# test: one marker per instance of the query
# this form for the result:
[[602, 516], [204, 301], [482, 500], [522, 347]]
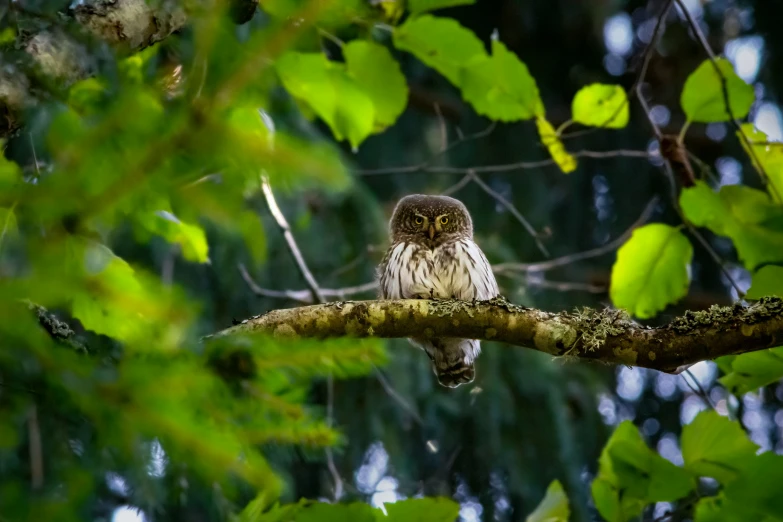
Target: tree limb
[[609, 336]]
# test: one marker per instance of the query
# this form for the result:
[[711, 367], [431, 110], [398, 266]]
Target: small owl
[[432, 255]]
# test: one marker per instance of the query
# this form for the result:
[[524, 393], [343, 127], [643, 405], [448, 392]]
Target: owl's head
[[431, 219]]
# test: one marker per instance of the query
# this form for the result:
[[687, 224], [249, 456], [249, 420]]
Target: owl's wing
[[481, 283], [389, 273]]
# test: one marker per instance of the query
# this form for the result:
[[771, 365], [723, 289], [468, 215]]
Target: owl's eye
[[444, 220], [419, 220]]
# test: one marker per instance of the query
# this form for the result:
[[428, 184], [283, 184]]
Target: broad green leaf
[[553, 507], [722, 509], [378, 74], [765, 156], [703, 96], [321, 512], [421, 6], [601, 105], [631, 476], [751, 371], [191, 239], [744, 214], [557, 150], [333, 95], [767, 281], [329, 14], [430, 509], [441, 43], [501, 87], [651, 270], [759, 485], [118, 302], [714, 446]]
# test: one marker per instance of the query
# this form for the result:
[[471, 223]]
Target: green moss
[[596, 326]]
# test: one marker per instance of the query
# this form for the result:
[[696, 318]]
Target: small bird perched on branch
[[433, 255]]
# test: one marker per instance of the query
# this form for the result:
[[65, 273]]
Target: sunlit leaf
[[501, 87], [10, 172], [744, 214], [766, 156], [703, 98], [751, 371], [191, 239], [557, 150], [767, 281], [421, 6], [334, 96], [714, 446], [441, 43], [379, 76], [631, 476], [651, 270], [601, 105], [84, 95], [553, 507], [431, 509], [721, 509]]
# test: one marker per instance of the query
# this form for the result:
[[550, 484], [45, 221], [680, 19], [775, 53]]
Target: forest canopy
[[194, 197]]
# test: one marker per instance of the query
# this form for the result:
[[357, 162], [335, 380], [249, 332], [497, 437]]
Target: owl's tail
[[452, 359], [454, 375]]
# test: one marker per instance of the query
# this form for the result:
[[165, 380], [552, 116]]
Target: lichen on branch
[[609, 336]]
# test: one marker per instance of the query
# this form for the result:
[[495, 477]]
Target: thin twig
[[511, 208], [36, 448], [422, 167], [293, 248], [572, 258], [506, 167], [726, 102], [633, 89], [699, 389], [389, 389], [305, 296], [457, 186]]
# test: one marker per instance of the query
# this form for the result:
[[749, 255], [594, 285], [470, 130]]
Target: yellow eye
[[419, 220], [444, 220]]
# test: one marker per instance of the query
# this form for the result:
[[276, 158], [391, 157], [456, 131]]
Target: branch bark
[[608, 336], [127, 25]]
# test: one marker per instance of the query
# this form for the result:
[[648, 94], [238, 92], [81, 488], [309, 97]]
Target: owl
[[433, 255]]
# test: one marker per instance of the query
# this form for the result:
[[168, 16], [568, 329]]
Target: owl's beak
[[432, 231]]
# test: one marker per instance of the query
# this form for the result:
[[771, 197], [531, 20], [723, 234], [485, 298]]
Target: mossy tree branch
[[608, 336]]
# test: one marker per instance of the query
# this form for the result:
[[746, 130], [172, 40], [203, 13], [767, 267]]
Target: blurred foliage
[[132, 194]]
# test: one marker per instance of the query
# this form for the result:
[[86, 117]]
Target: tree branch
[[608, 336]]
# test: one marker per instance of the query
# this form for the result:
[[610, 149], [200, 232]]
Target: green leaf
[[767, 281], [10, 172], [745, 215], [333, 95], [557, 150], [379, 76], [430, 509], [441, 43], [651, 270], [703, 95], [758, 487], [751, 371], [766, 157], [631, 476], [714, 446], [321, 512], [601, 105], [191, 239], [553, 507], [85, 95], [8, 225], [722, 509], [421, 6], [501, 87]]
